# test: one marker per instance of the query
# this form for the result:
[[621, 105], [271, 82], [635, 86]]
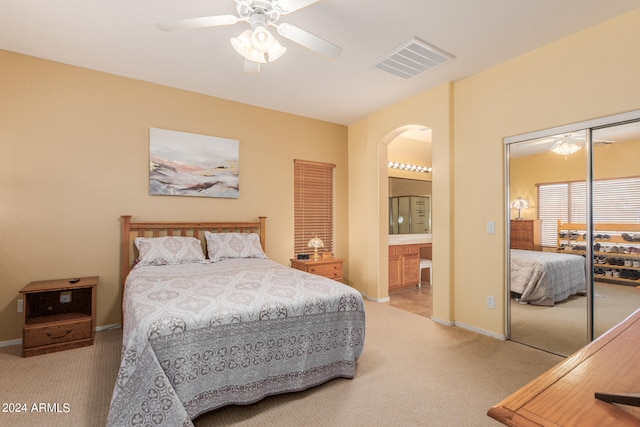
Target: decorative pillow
[[233, 245], [169, 250]]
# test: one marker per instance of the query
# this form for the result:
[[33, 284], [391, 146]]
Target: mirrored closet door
[[616, 224], [573, 197]]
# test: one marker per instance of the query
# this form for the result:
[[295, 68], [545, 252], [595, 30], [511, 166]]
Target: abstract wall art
[[188, 164]]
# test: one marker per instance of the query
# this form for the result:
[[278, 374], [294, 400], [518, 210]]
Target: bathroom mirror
[[409, 206]]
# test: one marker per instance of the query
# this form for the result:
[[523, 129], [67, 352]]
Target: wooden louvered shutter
[[314, 195]]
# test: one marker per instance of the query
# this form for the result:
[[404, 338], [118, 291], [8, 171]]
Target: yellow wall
[[590, 74], [411, 151], [368, 192], [75, 156]]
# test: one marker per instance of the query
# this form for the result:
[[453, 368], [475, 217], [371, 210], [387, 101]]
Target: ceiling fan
[[257, 45], [567, 143]]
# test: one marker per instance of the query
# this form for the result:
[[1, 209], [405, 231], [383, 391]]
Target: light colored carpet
[[413, 372], [562, 329]]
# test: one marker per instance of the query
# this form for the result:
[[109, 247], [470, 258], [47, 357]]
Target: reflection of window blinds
[[614, 201], [552, 206]]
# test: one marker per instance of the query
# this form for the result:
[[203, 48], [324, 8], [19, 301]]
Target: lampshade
[[565, 147], [258, 45], [315, 243], [519, 204]]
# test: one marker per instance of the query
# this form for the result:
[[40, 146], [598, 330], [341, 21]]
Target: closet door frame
[[588, 127]]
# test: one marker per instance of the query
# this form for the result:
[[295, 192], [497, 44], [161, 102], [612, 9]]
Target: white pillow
[[169, 250], [233, 245]]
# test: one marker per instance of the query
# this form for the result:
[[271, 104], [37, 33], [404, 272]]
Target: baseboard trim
[[10, 343], [107, 327], [442, 321], [387, 299], [481, 331]]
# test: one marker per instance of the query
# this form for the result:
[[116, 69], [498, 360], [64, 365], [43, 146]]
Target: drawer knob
[[50, 334]]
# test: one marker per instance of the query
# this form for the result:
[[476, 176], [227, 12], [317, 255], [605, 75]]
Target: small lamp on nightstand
[[315, 243], [519, 204]]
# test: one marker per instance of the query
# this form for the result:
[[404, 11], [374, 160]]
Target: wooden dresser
[[565, 395], [331, 268], [526, 234]]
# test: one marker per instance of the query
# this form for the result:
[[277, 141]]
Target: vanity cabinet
[[404, 264]]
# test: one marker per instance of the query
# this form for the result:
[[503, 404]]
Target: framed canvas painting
[[187, 164]]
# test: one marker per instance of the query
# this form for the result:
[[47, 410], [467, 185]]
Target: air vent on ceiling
[[412, 58]]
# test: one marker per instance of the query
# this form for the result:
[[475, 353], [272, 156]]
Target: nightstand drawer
[[332, 271], [55, 334]]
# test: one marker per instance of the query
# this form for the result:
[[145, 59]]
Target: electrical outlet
[[20, 306], [491, 302]]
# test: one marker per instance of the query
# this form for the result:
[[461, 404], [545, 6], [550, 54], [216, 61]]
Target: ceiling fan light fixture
[[243, 44], [565, 147], [261, 39]]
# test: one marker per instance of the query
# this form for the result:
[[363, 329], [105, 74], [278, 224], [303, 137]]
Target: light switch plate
[[491, 227]]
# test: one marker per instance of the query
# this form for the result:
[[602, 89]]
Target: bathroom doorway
[[410, 221]]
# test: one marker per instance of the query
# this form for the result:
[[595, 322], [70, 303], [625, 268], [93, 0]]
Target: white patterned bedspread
[[200, 336], [544, 278]]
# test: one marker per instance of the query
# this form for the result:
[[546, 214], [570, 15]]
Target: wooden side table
[[331, 268], [58, 315]]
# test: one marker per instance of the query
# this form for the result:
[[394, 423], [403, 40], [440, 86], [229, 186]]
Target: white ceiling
[[119, 37]]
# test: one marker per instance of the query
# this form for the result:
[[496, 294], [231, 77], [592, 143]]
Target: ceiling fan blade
[[308, 40], [193, 23], [288, 6]]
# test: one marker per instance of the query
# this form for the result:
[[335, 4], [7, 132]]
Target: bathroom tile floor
[[415, 300]]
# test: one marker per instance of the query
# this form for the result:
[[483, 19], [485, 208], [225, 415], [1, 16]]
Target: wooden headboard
[[130, 230]]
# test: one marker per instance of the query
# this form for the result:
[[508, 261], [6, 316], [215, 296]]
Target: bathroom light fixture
[[519, 204], [409, 167]]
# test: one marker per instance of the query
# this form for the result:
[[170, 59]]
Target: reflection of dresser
[[525, 234]]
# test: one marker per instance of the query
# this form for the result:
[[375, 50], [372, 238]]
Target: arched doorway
[[409, 197]]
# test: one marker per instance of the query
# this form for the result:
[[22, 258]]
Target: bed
[[544, 278], [232, 327]]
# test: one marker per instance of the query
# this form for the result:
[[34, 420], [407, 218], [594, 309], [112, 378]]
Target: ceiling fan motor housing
[[257, 11]]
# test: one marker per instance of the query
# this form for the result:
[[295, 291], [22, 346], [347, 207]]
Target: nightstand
[[331, 268], [58, 315]]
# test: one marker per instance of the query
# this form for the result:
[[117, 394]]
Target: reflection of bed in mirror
[[544, 278]]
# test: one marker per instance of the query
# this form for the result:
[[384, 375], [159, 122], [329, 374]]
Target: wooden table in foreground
[[564, 395]]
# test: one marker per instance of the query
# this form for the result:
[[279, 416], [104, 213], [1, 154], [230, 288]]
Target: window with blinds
[[614, 201], [314, 195]]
